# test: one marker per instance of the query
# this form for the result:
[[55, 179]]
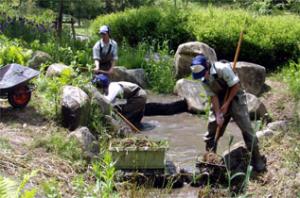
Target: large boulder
[[86, 140], [75, 106], [252, 77], [136, 76], [256, 108], [98, 99], [194, 94], [184, 54], [56, 69], [38, 58]]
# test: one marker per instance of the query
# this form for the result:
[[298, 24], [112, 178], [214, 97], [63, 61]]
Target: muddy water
[[184, 133]]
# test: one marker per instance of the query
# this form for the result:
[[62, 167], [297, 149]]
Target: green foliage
[[104, 173], [49, 90], [291, 76], [57, 143], [4, 144], [51, 189], [159, 70], [11, 52], [268, 40], [132, 57], [25, 22], [10, 188], [145, 25]]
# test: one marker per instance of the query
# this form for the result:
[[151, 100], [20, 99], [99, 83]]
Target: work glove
[[220, 118]]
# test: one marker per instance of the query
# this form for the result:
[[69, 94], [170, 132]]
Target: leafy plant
[[104, 173], [159, 70], [51, 189], [291, 76], [10, 188]]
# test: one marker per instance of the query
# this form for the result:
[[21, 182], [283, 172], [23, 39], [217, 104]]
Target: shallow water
[[184, 133]]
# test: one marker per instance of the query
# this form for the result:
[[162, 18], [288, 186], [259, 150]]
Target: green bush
[[268, 40], [145, 25], [11, 52]]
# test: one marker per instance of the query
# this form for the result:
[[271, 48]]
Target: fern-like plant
[[10, 188]]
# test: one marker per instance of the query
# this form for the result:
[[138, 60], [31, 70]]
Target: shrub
[[11, 52], [268, 40], [145, 25]]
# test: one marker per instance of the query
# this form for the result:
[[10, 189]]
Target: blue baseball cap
[[199, 67], [101, 80]]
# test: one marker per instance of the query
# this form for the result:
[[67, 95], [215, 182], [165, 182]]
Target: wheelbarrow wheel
[[19, 96]]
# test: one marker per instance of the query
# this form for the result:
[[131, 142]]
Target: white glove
[[220, 118]]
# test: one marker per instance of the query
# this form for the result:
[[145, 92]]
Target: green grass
[[4, 144], [67, 148]]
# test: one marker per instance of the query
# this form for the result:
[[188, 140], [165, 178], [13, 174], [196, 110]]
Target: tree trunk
[[60, 19]]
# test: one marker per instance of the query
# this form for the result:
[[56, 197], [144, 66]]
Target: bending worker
[[134, 109], [216, 79], [105, 52]]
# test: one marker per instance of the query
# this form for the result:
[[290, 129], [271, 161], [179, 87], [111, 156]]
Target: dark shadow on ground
[[27, 115]]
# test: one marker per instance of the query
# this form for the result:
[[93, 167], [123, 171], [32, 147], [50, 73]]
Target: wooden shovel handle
[[237, 52], [127, 122]]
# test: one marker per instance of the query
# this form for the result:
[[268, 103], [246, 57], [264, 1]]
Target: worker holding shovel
[[217, 78], [135, 96]]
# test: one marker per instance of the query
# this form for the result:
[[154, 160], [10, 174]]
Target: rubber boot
[[257, 161]]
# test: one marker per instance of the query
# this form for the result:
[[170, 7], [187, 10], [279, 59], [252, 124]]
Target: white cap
[[103, 29], [197, 68]]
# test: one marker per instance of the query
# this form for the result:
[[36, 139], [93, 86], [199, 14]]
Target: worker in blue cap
[[135, 96], [216, 79]]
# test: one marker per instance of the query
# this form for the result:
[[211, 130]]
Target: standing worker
[[134, 108], [105, 52], [216, 79]]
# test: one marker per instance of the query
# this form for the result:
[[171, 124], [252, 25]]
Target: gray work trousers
[[239, 112]]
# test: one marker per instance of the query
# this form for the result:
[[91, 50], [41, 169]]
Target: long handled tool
[[127, 121], [218, 134]]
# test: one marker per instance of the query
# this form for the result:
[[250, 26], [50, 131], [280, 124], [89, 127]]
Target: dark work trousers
[[239, 112], [134, 109]]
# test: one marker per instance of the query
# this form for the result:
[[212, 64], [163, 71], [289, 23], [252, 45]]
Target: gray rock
[[38, 58], [194, 94], [136, 76], [75, 106], [237, 158], [252, 76], [184, 54], [256, 108], [264, 133], [98, 99], [86, 139], [56, 69], [281, 125]]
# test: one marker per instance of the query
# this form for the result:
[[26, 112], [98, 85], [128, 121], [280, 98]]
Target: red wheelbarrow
[[14, 84]]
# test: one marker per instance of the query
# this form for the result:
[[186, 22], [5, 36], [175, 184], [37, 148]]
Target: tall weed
[[160, 70]]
